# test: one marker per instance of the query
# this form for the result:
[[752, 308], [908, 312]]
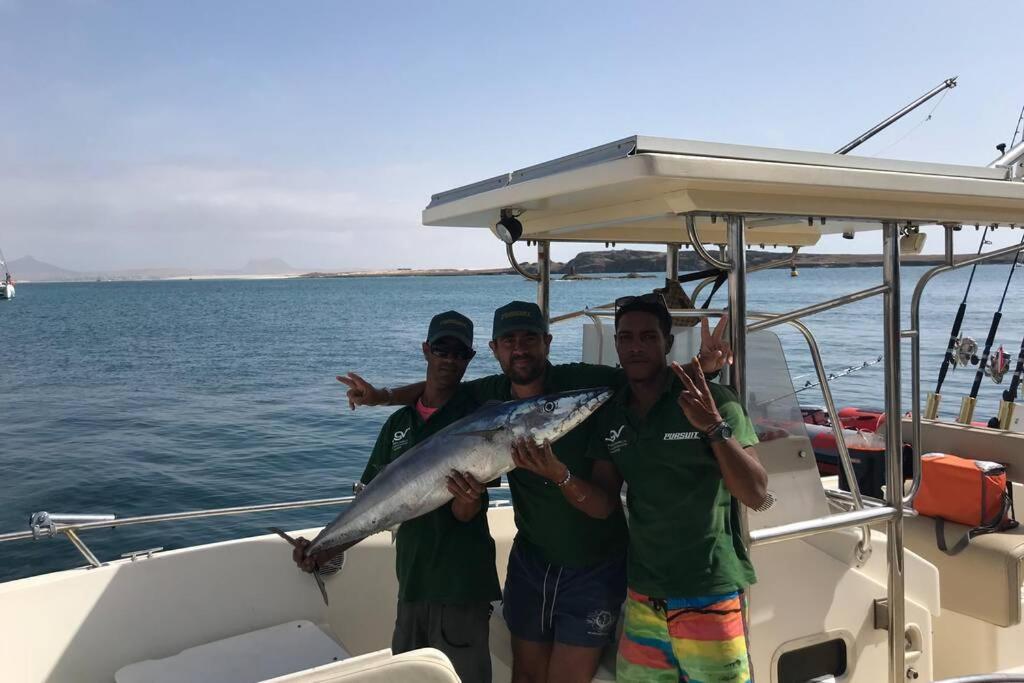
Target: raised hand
[[539, 459], [464, 487], [360, 392], [715, 352], [695, 400]]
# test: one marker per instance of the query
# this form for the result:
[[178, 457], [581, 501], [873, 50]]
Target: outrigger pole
[[949, 83], [969, 402], [931, 410]]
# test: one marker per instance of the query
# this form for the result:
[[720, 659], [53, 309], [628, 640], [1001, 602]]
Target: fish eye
[[549, 407]]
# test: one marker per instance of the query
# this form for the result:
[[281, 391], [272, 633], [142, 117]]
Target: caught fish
[[480, 444]]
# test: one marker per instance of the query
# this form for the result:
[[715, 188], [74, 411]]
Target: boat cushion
[[246, 658], [421, 666], [984, 580]]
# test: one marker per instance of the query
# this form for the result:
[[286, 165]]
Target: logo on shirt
[[681, 436], [615, 440], [401, 437]]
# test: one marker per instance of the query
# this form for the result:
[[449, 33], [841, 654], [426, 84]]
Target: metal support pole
[[894, 450], [672, 262], [82, 548], [738, 304], [544, 277]]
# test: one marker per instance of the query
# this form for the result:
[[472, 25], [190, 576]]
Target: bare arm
[[742, 472], [362, 393], [598, 498]]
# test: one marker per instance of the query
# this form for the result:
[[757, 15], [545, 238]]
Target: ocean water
[[153, 397]]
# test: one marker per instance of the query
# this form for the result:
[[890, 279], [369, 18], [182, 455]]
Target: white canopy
[[634, 190]]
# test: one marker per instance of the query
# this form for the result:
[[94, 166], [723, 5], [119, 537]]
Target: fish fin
[[394, 532], [320, 584]]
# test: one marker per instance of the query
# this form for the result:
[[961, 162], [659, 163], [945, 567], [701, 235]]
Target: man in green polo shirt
[[445, 558], [685, 449], [566, 579]]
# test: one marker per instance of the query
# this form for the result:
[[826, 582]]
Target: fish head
[[552, 416]]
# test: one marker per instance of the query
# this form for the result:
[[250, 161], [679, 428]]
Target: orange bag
[[975, 493]]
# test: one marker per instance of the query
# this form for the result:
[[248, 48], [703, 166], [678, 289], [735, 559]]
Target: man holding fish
[[566, 573], [444, 558]]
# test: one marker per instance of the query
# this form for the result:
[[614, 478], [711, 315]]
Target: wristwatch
[[719, 432]]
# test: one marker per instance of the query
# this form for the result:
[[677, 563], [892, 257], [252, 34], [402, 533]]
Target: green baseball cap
[[451, 324], [518, 315]]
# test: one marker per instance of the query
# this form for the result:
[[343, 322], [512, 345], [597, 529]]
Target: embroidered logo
[[401, 437], [616, 442], [601, 622], [681, 436]]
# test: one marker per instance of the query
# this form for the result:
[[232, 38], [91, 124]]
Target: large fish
[[480, 444]]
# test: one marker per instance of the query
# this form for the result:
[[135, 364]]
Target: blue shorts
[[545, 602]]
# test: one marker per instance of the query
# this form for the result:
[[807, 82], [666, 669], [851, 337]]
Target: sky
[[197, 134]]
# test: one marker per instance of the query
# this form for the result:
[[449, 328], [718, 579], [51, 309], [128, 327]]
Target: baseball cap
[[518, 315], [451, 324]]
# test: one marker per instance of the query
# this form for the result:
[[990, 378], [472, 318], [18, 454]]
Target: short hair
[[658, 310]]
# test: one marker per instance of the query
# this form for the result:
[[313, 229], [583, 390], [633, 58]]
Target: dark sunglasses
[[651, 299], [447, 352]]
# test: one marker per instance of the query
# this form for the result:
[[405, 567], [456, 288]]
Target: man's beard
[[525, 376]]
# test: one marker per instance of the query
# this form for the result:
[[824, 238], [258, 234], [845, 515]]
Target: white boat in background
[[7, 285]]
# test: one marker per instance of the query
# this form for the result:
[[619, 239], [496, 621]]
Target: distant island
[[586, 265], [634, 261]]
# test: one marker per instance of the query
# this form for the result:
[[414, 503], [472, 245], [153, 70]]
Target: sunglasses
[[452, 353], [651, 299]]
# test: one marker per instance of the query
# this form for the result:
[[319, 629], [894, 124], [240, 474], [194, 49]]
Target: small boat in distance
[[7, 286]]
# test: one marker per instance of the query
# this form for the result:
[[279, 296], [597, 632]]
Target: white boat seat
[[501, 646], [984, 580], [246, 658], [421, 666]]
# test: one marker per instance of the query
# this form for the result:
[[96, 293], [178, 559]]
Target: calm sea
[[153, 397]]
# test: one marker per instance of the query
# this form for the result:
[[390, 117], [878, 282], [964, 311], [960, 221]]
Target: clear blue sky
[[202, 134]]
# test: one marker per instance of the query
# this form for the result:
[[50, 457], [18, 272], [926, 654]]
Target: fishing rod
[[968, 404], [831, 376], [1009, 402], [931, 410]]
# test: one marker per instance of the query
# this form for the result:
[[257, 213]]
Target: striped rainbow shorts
[[699, 640]]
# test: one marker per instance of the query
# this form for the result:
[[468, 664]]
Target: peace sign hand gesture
[[695, 399], [360, 392], [715, 352]]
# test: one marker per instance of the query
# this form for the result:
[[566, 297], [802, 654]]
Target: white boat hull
[[6, 291]]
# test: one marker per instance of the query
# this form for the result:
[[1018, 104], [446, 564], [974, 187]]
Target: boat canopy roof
[[636, 189]]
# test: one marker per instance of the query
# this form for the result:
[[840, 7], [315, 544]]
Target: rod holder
[[967, 410], [1005, 415], [931, 407]]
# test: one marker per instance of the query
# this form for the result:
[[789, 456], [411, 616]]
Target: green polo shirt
[[684, 533], [545, 520], [438, 558]]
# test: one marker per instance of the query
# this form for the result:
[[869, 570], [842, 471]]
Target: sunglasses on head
[[651, 299], [449, 352]]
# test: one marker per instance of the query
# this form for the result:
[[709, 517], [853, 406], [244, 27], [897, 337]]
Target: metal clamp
[[136, 554], [44, 525]]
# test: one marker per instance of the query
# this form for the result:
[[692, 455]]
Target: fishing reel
[[964, 352], [998, 365]]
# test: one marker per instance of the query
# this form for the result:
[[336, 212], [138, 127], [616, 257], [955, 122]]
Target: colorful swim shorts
[[699, 640]]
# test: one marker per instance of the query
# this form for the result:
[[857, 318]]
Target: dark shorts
[[459, 631], [544, 602]]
